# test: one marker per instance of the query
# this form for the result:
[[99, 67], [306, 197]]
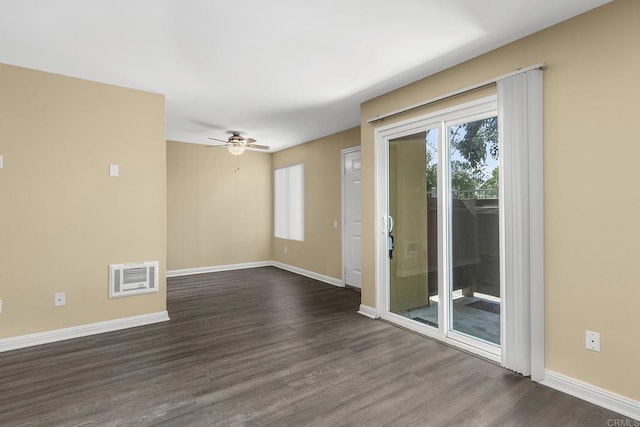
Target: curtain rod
[[455, 93]]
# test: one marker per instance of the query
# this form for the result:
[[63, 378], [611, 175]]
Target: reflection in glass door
[[474, 233], [413, 208]]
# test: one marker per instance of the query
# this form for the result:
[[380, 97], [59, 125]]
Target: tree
[[465, 178], [432, 174], [493, 181], [472, 141]]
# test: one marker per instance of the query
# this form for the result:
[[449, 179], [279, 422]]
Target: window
[[289, 202]]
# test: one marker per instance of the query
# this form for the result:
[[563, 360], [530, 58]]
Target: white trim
[[293, 269], [317, 276], [483, 348], [442, 227], [380, 215], [216, 268], [370, 312], [596, 395], [343, 215], [14, 343]]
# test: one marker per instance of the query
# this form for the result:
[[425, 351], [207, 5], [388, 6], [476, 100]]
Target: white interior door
[[352, 218]]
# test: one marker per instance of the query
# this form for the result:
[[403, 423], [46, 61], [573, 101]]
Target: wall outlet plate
[[592, 340], [59, 299]]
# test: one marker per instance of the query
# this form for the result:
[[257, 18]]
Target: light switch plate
[[1, 161], [114, 170]]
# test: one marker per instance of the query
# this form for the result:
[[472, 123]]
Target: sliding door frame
[[439, 119]]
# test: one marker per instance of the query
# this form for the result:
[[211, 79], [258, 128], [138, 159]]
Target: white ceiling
[[283, 71]]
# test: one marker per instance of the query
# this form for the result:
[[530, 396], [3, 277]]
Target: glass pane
[[474, 232], [413, 286]]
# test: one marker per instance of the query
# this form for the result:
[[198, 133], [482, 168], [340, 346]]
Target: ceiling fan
[[236, 143]]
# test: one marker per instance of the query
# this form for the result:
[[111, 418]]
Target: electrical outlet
[[0, 306], [59, 299], [592, 340], [285, 250]]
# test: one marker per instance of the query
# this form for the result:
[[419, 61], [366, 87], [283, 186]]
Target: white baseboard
[[216, 268], [200, 270], [321, 277], [14, 343], [590, 393], [371, 312]]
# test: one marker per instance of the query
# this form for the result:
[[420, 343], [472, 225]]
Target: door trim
[[343, 214]]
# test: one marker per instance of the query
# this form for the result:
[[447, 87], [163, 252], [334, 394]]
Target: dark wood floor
[[264, 347]]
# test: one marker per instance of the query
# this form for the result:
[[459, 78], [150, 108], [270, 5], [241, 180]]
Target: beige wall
[[217, 216], [591, 205], [63, 220], [321, 251]]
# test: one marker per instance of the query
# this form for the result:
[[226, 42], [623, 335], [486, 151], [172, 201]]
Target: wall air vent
[[133, 279]]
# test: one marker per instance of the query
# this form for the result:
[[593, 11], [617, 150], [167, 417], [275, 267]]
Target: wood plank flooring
[[264, 347]]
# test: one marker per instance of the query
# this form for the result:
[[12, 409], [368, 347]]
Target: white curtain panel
[[520, 134]]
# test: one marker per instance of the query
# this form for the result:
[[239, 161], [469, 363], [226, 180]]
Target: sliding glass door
[[443, 228], [474, 229]]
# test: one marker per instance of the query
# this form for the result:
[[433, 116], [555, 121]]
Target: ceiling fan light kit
[[236, 149], [237, 144]]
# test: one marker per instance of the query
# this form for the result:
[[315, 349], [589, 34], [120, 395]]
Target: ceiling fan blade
[[249, 140], [259, 147], [220, 140], [215, 146]]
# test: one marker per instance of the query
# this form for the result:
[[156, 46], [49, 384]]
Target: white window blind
[[289, 202]]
